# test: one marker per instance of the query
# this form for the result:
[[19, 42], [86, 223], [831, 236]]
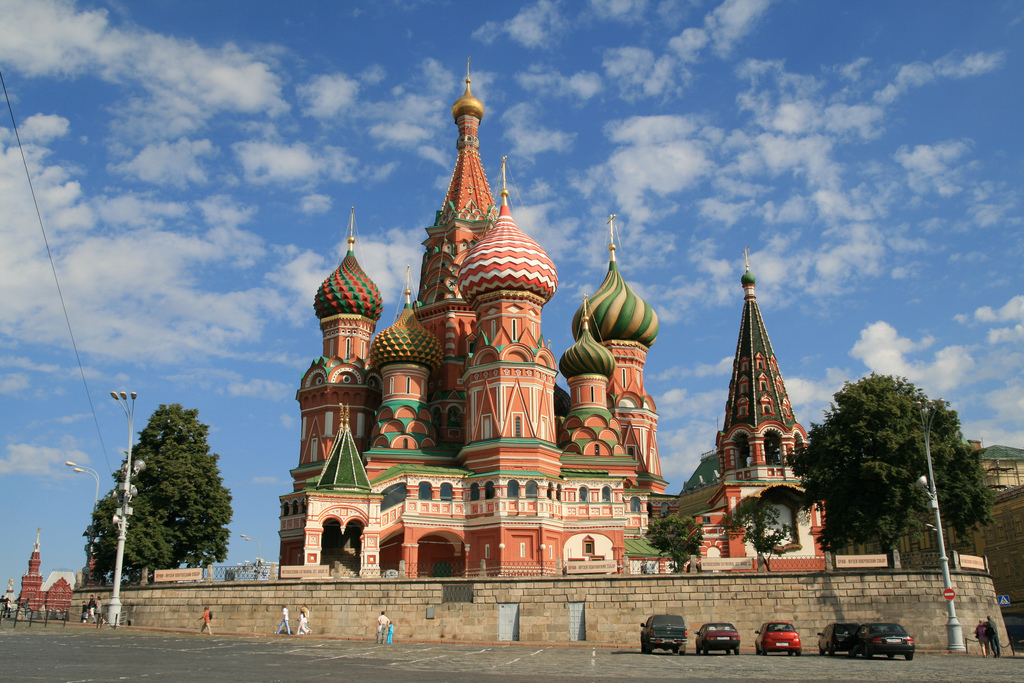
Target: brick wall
[[615, 605]]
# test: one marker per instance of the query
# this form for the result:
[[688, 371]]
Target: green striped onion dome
[[407, 341], [348, 291], [617, 314], [586, 357]]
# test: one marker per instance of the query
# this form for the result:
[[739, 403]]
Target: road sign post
[[949, 593]]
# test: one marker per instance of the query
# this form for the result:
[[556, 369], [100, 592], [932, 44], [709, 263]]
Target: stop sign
[[949, 593]]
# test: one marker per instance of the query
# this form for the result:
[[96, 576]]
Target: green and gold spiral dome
[[616, 312], [407, 341], [586, 357], [348, 291]]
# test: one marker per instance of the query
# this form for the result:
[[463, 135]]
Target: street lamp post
[[90, 531], [954, 633], [127, 491], [88, 470], [259, 547]]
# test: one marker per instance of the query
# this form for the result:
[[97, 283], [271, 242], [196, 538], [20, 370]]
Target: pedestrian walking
[[206, 619], [382, 627], [99, 613], [303, 621], [85, 612], [284, 621], [391, 632], [993, 636], [92, 608], [980, 631]]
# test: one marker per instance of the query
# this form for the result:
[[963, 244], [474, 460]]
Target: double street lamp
[[90, 531], [88, 470], [127, 491], [259, 547], [954, 634]]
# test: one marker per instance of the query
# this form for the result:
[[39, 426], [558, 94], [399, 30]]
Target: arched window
[[435, 417], [634, 504], [558, 493], [772, 449], [664, 509], [531, 489], [518, 428], [295, 508], [474, 492], [426, 490], [597, 449], [405, 444], [584, 494], [606, 494], [742, 450], [446, 491], [588, 545], [284, 510], [489, 490], [454, 418], [551, 492], [513, 489]]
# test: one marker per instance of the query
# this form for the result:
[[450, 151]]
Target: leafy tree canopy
[[182, 509], [758, 520], [862, 462], [678, 537]]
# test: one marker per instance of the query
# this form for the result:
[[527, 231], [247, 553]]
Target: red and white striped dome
[[506, 258]]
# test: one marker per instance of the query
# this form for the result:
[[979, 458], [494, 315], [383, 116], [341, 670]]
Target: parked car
[[882, 639], [717, 636], [663, 632], [777, 636], [837, 637]]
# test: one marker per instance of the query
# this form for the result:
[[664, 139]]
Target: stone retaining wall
[[614, 605]]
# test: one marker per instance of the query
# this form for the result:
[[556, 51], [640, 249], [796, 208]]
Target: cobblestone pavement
[[87, 654]]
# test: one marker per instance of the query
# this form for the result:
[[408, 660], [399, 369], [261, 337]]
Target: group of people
[[303, 621], [93, 611], [987, 637]]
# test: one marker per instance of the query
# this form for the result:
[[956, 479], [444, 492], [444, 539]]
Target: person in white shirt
[[382, 627], [284, 621]]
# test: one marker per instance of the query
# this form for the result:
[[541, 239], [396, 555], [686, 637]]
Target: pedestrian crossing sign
[[1004, 600]]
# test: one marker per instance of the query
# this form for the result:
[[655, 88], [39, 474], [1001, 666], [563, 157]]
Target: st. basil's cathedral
[[443, 444]]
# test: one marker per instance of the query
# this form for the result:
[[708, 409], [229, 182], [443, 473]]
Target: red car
[[717, 636], [777, 636]]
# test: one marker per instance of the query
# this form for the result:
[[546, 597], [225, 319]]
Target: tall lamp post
[[954, 634], [127, 491], [90, 531], [259, 547]]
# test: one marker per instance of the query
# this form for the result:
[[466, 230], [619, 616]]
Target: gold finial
[[586, 315], [746, 257], [467, 104], [504, 185], [467, 69], [351, 228], [344, 417], [611, 236], [408, 287]]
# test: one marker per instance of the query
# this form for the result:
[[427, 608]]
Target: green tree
[[182, 509], [758, 520], [862, 461], [678, 537]]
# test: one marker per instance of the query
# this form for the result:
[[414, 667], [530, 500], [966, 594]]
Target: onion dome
[[467, 104], [617, 313], [586, 357], [407, 341], [506, 258], [748, 278], [348, 291], [563, 402]]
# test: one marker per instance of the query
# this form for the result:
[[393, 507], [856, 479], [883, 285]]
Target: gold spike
[[467, 69], [504, 186], [611, 236], [746, 257], [352, 228]]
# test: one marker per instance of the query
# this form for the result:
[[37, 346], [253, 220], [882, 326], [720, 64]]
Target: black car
[[663, 632], [717, 636], [882, 639], [837, 637]]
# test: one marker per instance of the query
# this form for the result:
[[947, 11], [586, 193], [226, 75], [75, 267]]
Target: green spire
[[344, 468]]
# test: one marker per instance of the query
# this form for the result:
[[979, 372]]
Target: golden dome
[[467, 104]]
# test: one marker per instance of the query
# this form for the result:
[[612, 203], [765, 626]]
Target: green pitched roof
[[639, 547], [1002, 453], [344, 468]]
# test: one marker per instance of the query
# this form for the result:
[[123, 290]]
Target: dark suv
[[837, 637], [663, 632]]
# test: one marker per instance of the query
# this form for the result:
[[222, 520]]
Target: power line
[[53, 267]]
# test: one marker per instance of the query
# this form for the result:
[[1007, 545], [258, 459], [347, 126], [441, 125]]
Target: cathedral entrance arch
[[441, 553], [342, 544]]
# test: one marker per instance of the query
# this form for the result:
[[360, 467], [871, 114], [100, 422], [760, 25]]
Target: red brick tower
[[32, 582]]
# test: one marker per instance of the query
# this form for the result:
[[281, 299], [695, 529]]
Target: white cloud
[[260, 388], [36, 460], [169, 163], [916, 74], [883, 351], [689, 44], [929, 166], [732, 21], [14, 383], [582, 85], [315, 203], [529, 137], [329, 95], [43, 128], [295, 163], [535, 25], [625, 10], [638, 73], [129, 209], [1012, 311]]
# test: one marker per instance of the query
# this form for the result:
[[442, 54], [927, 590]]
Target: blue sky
[[195, 164]]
